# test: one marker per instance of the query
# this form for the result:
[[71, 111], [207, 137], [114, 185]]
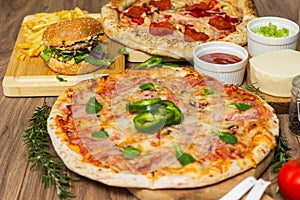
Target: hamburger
[[69, 42]]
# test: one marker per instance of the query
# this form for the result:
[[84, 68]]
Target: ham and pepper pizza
[[161, 128]]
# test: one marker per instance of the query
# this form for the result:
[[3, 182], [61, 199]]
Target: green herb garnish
[[38, 141], [123, 51], [46, 54], [281, 154], [226, 137], [60, 79], [183, 158], [64, 56], [131, 152], [93, 106], [100, 134], [242, 106], [252, 88], [100, 48], [94, 61], [208, 91], [109, 57]]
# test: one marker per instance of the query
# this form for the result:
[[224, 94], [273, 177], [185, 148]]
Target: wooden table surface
[[17, 180]]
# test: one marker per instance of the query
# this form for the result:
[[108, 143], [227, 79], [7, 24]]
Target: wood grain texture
[[18, 182]]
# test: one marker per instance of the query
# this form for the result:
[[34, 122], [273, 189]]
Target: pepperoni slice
[[212, 3], [161, 5], [138, 20], [192, 35], [202, 6], [161, 28], [231, 19], [135, 12], [220, 23], [201, 13]]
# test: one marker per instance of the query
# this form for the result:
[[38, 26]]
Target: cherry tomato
[[289, 180]]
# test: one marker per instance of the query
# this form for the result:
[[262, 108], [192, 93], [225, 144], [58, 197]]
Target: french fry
[[24, 45], [39, 50], [34, 28], [30, 52], [79, 11], [42, 26], [21, 56], [33, 36]]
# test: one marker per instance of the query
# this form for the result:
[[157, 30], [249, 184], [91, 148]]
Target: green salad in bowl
[[271, 30]]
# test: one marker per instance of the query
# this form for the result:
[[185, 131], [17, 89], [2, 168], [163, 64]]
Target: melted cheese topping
[[195, 135]]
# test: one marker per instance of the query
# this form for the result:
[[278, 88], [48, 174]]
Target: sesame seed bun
[[67, 32], [70, 68]]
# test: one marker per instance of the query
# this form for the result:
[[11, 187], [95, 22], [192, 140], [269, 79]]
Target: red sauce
[[220, 58]]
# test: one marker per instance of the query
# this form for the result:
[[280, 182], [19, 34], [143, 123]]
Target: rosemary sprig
[[37, 139], [252, 88], [281, 154]]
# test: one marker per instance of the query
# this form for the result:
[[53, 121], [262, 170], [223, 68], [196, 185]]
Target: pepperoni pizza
[[173, 28]]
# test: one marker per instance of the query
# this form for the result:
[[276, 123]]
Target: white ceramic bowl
[[226, 73], [258, 44]]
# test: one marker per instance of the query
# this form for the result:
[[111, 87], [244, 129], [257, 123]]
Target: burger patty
[[81, 46]]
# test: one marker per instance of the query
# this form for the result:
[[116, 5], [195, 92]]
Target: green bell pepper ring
[[142, 105], [148, 122], [147, 86], [172, 65], [150, 63], [169, 117], [169, 114], [177, 112]]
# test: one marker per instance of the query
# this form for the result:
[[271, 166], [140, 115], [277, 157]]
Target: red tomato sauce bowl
[[224, 61], [220, 58]]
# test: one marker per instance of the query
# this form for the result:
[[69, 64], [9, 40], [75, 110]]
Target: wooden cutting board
[[32, 77], [211, 192]]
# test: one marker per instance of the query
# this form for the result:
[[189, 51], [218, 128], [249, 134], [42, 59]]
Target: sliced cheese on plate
[[273, 71]]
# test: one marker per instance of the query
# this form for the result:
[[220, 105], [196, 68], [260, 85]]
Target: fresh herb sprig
[[281, 154], [252, 88], [37, 139]]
